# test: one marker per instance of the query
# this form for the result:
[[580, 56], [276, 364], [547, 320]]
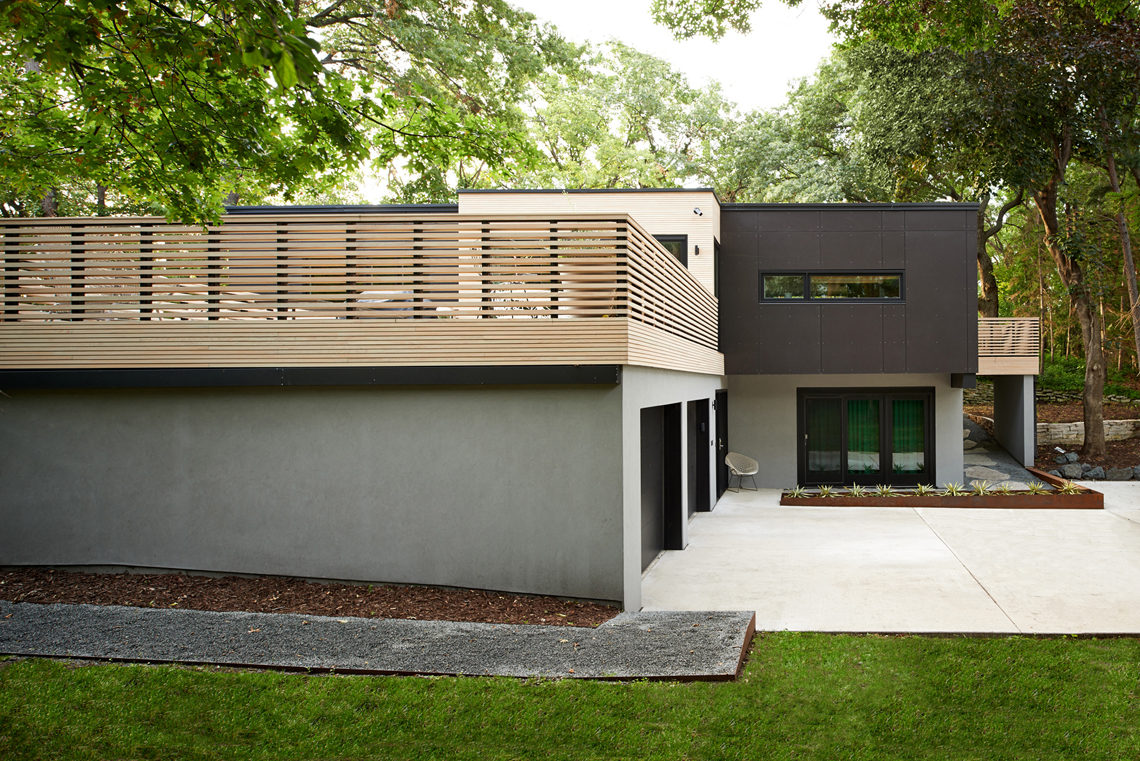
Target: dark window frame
[[807, 298], [885, 397], [682, 239]]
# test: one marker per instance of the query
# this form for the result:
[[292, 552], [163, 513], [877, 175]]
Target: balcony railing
[[1009, 345], [365, 289]]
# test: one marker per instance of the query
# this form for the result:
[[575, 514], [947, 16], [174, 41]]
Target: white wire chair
[[741, 467]]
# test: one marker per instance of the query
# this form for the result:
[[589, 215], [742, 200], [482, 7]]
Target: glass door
[[866, 436]]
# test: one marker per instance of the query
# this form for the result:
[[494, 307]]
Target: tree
[[179, 104], [704, 18]]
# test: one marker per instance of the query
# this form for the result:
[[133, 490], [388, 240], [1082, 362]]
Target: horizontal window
[[826, 286]]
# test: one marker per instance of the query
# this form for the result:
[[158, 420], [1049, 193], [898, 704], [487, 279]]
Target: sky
[[754, 70]]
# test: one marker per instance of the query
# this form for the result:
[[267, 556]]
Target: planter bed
[[1084, 499]]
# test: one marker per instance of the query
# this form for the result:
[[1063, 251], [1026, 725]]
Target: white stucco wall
[[762, 419]]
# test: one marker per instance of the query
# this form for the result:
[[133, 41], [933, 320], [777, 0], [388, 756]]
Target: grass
[[1068, 374], [803, 696]]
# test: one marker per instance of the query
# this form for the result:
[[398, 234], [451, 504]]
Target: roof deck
[[345, 289]]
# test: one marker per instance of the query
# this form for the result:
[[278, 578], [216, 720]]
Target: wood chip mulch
[[1118, 454], [283, 595], [1065, 413]]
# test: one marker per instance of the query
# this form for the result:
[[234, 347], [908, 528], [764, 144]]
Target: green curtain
[[909, 435], [862, 435]]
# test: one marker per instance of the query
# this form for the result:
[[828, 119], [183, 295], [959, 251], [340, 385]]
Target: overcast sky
[[754, 70]]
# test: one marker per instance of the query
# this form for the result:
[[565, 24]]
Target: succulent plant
[[923, 490], [884, 490], [857, 491], [1069, 488], [1036, 487], [981, 488], [798, 493], [1004, 490], [954, 490], [827, 491]]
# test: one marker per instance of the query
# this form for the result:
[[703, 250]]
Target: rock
[[1118, 474], [1072, 470], [1056, 473], [1085, 467], [965, 433], [1061, 459], [967, 444], [1071, 457], [1096, 474], [1136, 472]]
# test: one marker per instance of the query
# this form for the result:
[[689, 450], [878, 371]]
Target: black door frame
[[886, 395]]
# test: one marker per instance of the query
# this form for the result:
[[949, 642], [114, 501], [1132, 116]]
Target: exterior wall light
[[698, 212]]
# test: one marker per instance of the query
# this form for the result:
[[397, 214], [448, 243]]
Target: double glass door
[[865, 436]]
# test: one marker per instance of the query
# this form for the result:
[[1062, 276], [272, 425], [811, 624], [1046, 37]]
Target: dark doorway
[[661, 516], [652, 484], [721, 406], [700, 440]]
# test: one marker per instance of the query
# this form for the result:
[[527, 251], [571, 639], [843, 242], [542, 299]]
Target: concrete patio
[[850, 569]]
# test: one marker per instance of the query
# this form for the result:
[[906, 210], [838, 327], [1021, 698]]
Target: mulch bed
[[1065, 413], [283, 595], [1118, 454]]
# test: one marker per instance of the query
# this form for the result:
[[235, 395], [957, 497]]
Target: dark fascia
[[936, 206], [387, 208], [215, 377]]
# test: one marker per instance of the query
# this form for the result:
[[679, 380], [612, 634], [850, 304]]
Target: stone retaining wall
[[984, 394], [1073, 434]]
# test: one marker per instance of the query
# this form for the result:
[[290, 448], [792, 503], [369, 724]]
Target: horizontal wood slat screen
[[374, 281], [1009, 345]]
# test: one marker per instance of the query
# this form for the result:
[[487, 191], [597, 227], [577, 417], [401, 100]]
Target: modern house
[[530, 391]]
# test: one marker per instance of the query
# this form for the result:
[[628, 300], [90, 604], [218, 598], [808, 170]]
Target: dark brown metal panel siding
[[789, 339], [789, 221], [850, 221], [894, 250], [851, 250], [739, 307], [935, 220], [938, 301], [894, 339], [851, 338], [972, 277], [789, 250], [737, 222], [894, 220]]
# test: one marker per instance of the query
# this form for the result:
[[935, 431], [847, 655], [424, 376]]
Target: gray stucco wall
[[648, 387], [507, 488], [1015, 422], [762, 420]]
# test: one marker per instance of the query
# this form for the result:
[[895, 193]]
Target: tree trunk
[[1126, 246], [1073, 277], [232, 198], [988, 300], [49, 205], [101, 200]]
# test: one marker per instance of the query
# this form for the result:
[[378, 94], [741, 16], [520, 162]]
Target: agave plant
[[981, 488], [827, 491], [1004, 489], [1036, 487], [798, 493], [857, 491], [954, 490], [923, 490], [1069, 488], [884, 490]]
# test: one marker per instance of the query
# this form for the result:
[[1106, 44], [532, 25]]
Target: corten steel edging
[[1086, 500]]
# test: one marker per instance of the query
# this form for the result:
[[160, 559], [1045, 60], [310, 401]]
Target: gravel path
[[656, 645], [985, 460]]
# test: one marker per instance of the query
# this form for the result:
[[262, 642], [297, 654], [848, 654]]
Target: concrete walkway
[[910, 569]]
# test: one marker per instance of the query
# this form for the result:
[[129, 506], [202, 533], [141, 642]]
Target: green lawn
[[803, 696]]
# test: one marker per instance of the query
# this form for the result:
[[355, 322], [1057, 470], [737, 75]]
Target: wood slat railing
[[345, 269], [1009, 345]]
